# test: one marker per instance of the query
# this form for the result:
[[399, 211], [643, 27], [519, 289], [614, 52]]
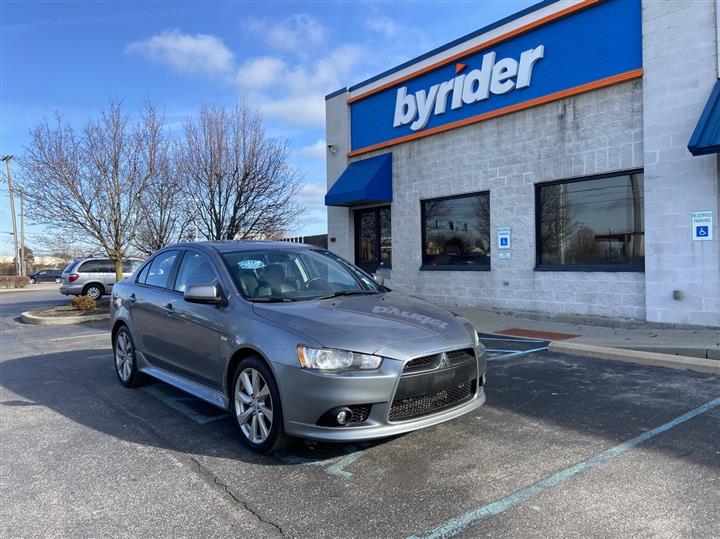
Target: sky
[[281, 58]]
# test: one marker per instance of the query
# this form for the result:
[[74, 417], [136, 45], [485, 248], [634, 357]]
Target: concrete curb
[[30, 318], [635, 356], [33, 288]]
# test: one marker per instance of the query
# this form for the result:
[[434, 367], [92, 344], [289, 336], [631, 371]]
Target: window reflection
[[457, 231], [595, 222]]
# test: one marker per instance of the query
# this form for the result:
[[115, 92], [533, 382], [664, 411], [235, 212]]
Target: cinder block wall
[[337, 134], [593, 133], [680, 66]]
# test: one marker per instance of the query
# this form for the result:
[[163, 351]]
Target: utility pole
[[7, 159], [23, 262]]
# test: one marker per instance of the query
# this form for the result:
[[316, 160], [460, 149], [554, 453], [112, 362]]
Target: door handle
[[168, 307], [132, 298]]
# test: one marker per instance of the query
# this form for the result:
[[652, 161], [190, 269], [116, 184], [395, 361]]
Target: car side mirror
[[203, 293], [379, 279]]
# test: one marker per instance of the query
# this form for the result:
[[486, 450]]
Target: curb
[[30, 318], [635, 356], [32, 288]]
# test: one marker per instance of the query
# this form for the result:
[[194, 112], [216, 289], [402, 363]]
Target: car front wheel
[[257, 406], [33, 281]]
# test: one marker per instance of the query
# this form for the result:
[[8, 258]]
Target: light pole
[[7, 159]]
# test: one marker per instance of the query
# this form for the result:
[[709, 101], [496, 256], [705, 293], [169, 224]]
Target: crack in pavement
[[207, 474]]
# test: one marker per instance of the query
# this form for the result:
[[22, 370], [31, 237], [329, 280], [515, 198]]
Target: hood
[[368, 323]]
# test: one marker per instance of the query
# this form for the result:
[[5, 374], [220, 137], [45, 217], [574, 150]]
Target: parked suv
[[294, 340], [93, 277], [46, 276]]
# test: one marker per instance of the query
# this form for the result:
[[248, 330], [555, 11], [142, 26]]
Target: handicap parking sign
[[702, 225], [503, 242]]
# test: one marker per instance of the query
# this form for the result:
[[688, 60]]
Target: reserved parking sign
[[702, 225]]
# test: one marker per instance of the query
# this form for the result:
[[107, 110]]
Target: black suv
[[46, 276]]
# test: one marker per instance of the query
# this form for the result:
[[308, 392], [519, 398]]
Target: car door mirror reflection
[[203, 293]]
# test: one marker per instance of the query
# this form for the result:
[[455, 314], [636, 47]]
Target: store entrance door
[[373, 240]]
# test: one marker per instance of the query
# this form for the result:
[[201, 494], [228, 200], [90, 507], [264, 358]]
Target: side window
[[91, 266], [160, 269], [143, 274], [107, 266], [195, 269]]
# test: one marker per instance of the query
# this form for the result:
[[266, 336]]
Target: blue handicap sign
[[702, 231], [503, 241]]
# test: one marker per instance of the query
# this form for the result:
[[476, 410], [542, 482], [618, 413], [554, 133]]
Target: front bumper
[[308, 395]]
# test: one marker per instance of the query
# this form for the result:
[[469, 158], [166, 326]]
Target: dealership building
[[562, 160]]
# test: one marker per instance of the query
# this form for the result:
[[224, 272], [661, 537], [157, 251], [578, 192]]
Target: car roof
[[228, 246]]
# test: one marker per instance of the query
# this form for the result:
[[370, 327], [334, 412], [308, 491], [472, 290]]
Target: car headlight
[[328, 359]]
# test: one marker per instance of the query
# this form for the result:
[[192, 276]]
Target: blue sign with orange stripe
[[580, 48]]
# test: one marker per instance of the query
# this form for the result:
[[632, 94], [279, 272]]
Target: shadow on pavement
[[82, 386]]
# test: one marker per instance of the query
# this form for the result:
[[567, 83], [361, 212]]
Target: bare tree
[[239, 183], [91, 183], [166, 213]]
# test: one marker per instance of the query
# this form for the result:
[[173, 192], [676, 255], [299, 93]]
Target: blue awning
[[706, 137], [363, 182]]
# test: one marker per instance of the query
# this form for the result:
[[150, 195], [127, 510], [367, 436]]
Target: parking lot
[[565, 446]]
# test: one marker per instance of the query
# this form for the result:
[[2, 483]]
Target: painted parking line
[[195, 409], [516, 353], [81, 336], [335, 465], [457, 525]]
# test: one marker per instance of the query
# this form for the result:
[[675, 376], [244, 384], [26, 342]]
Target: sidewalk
[[699, 343]]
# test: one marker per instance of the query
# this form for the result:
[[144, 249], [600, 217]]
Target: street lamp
[[6, 158]]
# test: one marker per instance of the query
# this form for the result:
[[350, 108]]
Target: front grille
[[360, 412], [458, 356], [428, 404], [422, 363], [454, 357]]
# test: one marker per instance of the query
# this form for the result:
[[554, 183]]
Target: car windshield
[[296, 275]]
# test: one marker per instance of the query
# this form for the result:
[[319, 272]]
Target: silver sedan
[[295, 341]]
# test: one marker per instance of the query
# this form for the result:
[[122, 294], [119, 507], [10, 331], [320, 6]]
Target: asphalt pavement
[[565, 446]]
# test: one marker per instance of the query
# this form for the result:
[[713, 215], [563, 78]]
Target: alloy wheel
[[123, 356], [93, 292], [253, 405]]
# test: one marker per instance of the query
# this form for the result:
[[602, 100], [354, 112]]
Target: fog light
[[344, 417]]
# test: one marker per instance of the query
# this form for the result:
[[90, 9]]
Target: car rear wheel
[[125, 362], [257, 406], [58, 280], [94, 291]]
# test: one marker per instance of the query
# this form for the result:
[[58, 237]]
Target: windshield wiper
[[348, 293], [272, 299]]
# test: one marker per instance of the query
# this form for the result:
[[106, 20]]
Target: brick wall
[[679, 61], [597, 132]]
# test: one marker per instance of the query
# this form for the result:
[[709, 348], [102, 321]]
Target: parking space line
[[457, 525], [81, 336], [517, 353], [180, 404]]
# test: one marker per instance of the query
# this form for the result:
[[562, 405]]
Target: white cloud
[[296, 93], [186, 53], [316, 150], [384, 25], [295, 33], [260, 72], [314, 218]]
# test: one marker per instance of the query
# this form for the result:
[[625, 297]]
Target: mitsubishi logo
[[444, 361]]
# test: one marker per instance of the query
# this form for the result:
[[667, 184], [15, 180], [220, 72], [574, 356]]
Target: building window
[[591, 224], [456, 232]]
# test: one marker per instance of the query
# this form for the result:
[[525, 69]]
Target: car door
[[107, 270], [151, 323], [193, 328]]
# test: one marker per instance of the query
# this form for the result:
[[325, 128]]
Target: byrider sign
[[580, 48], [496, 78]]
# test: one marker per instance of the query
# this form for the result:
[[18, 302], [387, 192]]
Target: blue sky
[[280, 57]]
